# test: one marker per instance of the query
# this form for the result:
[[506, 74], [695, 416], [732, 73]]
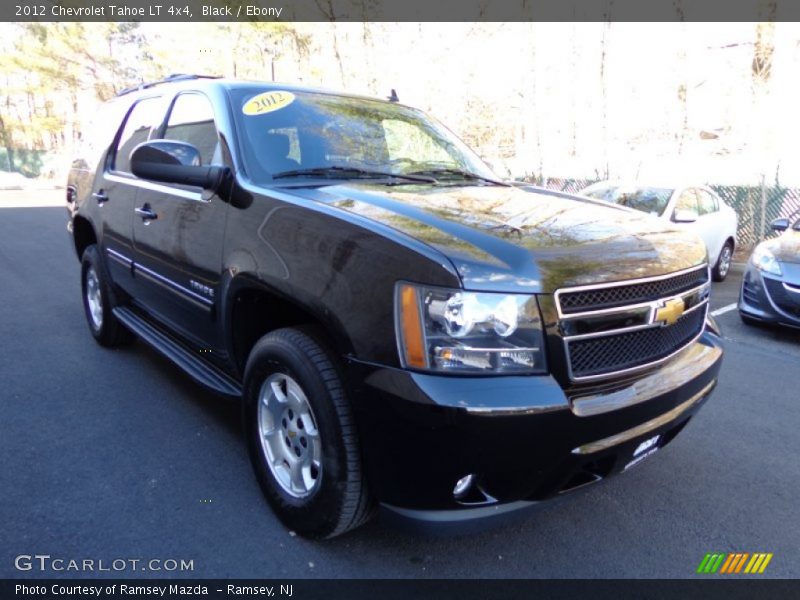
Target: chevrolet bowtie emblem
[[670, 312]]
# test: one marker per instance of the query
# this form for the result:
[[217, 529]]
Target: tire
[[298, 419], [98, 301], [723, 266]]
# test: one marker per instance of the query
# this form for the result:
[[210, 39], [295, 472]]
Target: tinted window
[[144, 116], [285, 131], [707, 203], [292, 137], [191, 120], [651, 200], [404, 140], [687, 201]]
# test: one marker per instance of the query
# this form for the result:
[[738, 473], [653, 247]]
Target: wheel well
[[83, 235], [256, 312], [732, 242]]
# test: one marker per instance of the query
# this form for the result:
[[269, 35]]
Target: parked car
[[403, 330], [771, 285], [693, 208]]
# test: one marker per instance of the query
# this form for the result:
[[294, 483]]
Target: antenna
[[394, 97]]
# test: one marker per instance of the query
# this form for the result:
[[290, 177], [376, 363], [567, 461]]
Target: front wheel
[[302, 437], [723, 266]]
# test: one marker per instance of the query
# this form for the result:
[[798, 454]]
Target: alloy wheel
[[289, 436]]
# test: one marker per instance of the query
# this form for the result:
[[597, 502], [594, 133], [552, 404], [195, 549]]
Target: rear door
[[178, 233], [116, 188]]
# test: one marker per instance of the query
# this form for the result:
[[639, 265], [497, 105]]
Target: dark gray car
[[771, 285]]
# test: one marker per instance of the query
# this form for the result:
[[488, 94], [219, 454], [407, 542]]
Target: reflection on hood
[[508, 239]]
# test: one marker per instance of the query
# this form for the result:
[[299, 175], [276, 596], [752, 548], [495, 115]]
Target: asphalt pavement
[[117, 455]]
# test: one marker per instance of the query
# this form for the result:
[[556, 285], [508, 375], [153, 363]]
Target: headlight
[[764, 260], [466, 332]]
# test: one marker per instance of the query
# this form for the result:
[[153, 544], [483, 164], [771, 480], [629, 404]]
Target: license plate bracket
[[644, 450]]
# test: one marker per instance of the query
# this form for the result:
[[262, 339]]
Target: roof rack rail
[[168, 79]]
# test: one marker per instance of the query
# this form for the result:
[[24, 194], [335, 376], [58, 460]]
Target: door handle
[[100, 196], [146, 213]]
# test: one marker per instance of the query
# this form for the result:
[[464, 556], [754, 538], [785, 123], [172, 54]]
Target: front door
[[178, 234]]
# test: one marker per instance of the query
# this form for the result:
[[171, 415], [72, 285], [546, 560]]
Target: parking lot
[[117, 454]]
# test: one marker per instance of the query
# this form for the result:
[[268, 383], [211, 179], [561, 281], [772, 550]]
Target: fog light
[[463, 485]]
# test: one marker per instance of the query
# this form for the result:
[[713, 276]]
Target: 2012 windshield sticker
[[267, 102]]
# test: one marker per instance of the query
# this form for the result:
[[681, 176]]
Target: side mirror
[[175, 162], [781, 224], [684, 215]]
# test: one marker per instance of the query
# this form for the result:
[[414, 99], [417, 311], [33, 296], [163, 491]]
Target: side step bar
[[194, 366]]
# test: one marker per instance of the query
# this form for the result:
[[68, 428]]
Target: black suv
[[404, 330]]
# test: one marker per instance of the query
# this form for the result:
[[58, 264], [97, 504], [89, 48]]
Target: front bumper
[[525, 439], [770, 298]]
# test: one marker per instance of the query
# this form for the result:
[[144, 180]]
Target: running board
[[195, 367]]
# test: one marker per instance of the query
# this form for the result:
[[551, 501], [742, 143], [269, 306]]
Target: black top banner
[[398, 10]]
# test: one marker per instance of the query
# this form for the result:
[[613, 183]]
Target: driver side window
[[687, 201], [191, 120]]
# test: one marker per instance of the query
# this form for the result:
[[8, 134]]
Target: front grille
[[609, 329], [612, 353], [784, 300], [634, 293]]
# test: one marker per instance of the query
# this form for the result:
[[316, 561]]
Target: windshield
[[314, 135], [646, 199]]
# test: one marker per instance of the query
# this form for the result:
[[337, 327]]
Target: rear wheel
[[301, 435], [723, 266], [99, 300]]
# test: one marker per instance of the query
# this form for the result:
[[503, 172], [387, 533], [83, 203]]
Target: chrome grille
[[621, 294], [621, 352], [627, 326]]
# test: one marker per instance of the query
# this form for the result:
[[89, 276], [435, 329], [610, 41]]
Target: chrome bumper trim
[[645, 427]]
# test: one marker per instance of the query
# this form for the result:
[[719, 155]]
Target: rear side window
[[145, 115], [707, 203], [191, 120]]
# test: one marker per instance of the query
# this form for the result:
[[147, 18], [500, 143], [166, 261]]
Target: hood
[[786, 247], [508, 239]]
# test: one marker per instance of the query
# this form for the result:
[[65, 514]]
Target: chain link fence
[[757, 206]]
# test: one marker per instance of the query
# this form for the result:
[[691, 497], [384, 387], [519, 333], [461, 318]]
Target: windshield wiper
[[459, 173], [352, 172]]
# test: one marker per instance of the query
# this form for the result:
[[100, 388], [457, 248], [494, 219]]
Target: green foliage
[[27, 162], [52, 75], [53, 69]]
